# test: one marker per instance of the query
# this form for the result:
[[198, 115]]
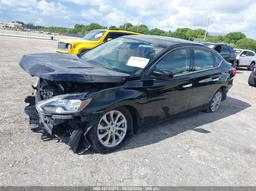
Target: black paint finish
[[147, 98]]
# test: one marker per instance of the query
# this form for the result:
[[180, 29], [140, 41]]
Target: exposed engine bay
[[48, 89]]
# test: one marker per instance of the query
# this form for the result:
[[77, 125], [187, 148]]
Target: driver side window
[[176, 62]]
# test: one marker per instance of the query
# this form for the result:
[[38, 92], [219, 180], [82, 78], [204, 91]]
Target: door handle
[[215, 79], [187, 85]]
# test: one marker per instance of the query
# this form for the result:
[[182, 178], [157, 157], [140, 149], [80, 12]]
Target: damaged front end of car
[[58, 105], [59, 116]]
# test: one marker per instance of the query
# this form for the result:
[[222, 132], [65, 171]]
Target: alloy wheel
[[216, 101], [112, 128]]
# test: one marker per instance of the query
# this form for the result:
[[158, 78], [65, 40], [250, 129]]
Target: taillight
[[233, 72]]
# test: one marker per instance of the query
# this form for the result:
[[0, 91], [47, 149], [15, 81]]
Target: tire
[[215, 102], [236, 64], [107, 135], [251, 66], [252, 81]]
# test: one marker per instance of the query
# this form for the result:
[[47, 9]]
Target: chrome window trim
[[189, 72]]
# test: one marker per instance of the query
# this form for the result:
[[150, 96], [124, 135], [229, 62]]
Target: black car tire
[[236, 64], [209, 107], [252, 80], [251, 66], [97, 145]]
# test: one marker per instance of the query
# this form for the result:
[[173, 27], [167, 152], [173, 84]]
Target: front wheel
[[215, 102], [111, 130]]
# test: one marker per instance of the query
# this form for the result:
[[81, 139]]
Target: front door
[[171, 96], [246, 58]]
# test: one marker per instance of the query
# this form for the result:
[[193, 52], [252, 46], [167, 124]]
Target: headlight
[[69, 46], [63, 105]]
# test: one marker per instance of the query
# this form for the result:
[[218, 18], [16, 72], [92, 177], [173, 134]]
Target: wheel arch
[[137, 121], [224, 90]]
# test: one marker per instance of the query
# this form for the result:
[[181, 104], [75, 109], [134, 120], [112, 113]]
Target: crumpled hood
[[62, 67]]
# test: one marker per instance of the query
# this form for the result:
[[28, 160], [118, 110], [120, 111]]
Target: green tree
[[127, 26], [215, 38], [113, 27], [156, 31], [184, 33], [198, 33], [94, 26], [246, 43], [233, 37], [143, 29]]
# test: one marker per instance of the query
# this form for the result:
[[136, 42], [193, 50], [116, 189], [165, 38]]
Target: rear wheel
[[215, 102], [111, 130], [236, 64], [251, 66]]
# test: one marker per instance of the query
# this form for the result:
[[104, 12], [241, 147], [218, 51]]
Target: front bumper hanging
[[67, 129]]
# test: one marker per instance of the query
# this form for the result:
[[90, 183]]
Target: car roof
[[162, 40], [214, 43], [122, 31], [117, 30], [247, 50]]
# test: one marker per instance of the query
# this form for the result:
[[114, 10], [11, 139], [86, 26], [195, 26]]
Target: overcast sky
[[224, 15]]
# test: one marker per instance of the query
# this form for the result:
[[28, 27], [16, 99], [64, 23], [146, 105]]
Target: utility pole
[[207, 28]]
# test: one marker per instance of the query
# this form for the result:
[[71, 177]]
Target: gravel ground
[[199, 149]]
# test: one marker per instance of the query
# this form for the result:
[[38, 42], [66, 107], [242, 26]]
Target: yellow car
[[91, 40]]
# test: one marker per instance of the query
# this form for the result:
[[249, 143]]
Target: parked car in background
[[99, 99], [252, 77], [245, 58], [90, 40], [227, 52], [238, 50]]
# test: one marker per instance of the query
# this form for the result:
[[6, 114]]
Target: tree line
[[235, 39]]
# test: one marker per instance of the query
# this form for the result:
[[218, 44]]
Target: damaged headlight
[[63, 104]]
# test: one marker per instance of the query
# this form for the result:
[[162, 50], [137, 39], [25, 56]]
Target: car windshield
[[123, 55], [94, 35]]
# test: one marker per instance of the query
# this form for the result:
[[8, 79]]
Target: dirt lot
[[200, 149]]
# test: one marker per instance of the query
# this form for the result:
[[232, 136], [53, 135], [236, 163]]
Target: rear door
[[206, 73]]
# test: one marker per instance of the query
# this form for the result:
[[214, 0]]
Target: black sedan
[[104, 96], [227, 52]]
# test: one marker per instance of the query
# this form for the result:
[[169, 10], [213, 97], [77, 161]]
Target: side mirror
[[243, 55], [162, 75], [109, 39]]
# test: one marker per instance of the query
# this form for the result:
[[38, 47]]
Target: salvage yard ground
[[199, 149]]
